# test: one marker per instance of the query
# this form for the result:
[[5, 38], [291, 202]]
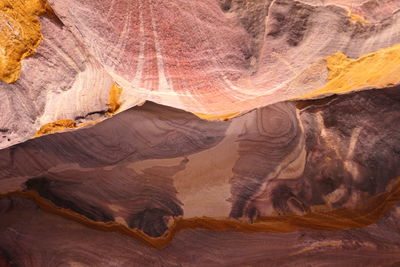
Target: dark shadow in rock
[[48, 189]]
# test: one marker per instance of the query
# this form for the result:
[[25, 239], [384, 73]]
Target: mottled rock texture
[[199, 133]]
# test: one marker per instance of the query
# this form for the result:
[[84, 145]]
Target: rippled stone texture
[[199, 133], [214, 58], [278, 160], [221, 57], [60, 81], [63, 242]]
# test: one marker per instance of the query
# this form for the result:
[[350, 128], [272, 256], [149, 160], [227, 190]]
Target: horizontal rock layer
[[216, 59], [199, 133], [278, 160], [31, 237]]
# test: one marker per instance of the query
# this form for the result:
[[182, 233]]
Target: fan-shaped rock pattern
[[205, 57], [232, 57], [302, 107]]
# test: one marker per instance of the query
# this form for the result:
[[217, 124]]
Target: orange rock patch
[[379, 69], [114, 104], [57, 126], [19, 34]]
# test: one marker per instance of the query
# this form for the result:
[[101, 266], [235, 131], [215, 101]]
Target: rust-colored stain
[[338, 219], [379, 69], [114, 103], [65, 124]]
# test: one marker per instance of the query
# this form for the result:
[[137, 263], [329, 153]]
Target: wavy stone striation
[[216, 59], [173, 165], [63, 242], [56, 83], [323, 165], [213, 57], [199, 133]]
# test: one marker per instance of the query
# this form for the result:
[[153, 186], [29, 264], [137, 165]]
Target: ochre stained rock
[[60, 81], [216, 117], [379, 69], [358, 19], [114, 100], [57, 126], [19, 34], [63, 124]]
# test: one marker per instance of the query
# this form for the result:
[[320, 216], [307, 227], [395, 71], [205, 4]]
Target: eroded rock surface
[[60, 81], [278, 160], [222, 57], [214, 58], [31, 237], [199, 133]]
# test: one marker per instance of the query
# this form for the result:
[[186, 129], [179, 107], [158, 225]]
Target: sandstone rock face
[[68, 243], [173, 166], [203, 58], [199, 133], [55, 83]]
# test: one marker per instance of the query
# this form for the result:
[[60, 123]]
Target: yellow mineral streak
[[216, 117], [114, 104], [357, 18], [57, 126], [62, 125], [19, 34], [379, 69]]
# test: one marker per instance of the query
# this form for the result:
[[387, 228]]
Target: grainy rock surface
[[199, 133]]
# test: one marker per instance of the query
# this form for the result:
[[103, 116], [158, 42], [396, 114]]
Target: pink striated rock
[[213, 56], [288, 182]]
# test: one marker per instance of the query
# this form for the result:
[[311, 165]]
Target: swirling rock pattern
[[172, 165], [39, 97], [105, 159], [213, 57]]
